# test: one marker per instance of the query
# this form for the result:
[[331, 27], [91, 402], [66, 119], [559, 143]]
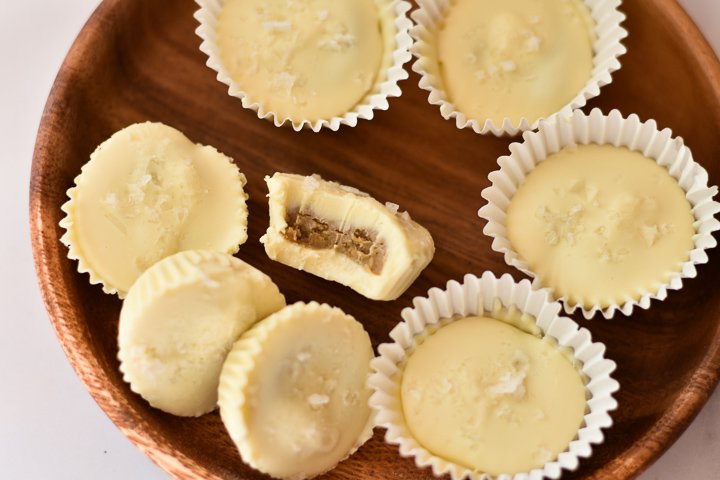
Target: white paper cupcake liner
[[473, 297], [607, 48], [386, 84], [668, 151]]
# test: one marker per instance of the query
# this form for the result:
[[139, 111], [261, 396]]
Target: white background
[[50, 428]]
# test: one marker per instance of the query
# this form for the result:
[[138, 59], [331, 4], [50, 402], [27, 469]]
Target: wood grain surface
[[138, 60]]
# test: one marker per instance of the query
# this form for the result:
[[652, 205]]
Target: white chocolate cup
[[613, 129], [473, 297], [386, 83], [607, 49], [239, 378]]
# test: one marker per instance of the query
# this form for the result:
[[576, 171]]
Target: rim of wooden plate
[[629, 464]]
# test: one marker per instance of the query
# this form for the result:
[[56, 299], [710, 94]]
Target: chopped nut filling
[[359, 245]]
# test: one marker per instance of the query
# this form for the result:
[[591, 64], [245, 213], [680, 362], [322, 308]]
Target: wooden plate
[[137, 60]]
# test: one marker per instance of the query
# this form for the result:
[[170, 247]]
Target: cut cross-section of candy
[[342, 234]]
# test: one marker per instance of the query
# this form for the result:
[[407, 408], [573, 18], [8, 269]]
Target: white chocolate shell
[[474, 296], [180, 320], [608, 47], [293, 393], [612, 129], [146, 193], [395, 24]]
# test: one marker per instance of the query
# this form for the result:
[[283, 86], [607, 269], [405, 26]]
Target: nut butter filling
[[360, 245]]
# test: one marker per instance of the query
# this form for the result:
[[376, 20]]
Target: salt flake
[[393, 207], [277, 26], [317, 400]]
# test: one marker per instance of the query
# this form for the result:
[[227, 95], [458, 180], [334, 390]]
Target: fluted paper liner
[[386, 82], [473, 297], [607, 49], [659, 145], [239, 366]]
